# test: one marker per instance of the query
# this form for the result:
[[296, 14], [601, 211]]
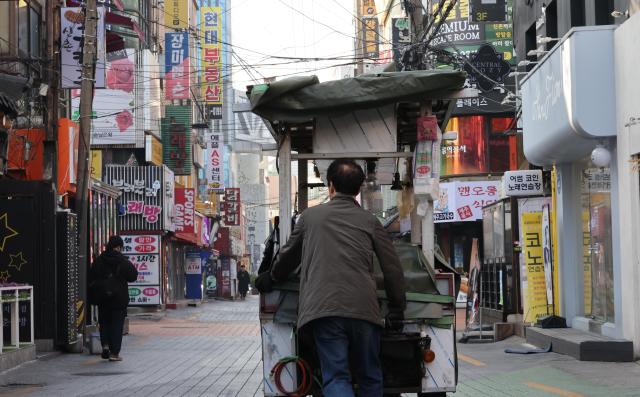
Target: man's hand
[[264, 283], [394, 319]]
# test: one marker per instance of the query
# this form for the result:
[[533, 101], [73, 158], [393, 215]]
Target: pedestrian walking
[[334, 244], [108, 289], [243, 282]]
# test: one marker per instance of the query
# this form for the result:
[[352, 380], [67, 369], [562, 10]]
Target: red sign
[[144, 248], [232, 206], [185, 204], [144, 239], [427, 128]]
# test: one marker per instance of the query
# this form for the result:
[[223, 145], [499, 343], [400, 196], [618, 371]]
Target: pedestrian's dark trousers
[[111, 326], [335, 337]]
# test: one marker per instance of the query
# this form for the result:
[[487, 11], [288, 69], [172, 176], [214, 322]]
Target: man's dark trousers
[[111, 326], [335, 338]]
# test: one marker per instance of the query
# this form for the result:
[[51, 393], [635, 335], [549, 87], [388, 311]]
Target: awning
[[299, 99], [8, 106]]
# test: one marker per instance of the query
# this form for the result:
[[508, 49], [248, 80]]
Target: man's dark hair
[[346, 175], [115, 241]]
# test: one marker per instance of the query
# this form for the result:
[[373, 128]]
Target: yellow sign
[[535, 303], [368, 8], [211, 25], [96, 164], [176, 14], [153, 150]]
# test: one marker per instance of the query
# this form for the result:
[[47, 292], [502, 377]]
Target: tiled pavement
[[214, 350]]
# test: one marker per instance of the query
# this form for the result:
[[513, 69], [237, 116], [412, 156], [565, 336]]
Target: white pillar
[[284, 181]]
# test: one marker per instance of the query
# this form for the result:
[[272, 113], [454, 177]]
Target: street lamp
[[526, 63]]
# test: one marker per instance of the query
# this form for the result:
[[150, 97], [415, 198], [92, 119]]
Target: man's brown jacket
[[334, 243]]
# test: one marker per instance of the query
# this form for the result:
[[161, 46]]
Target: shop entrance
[[597, 244]]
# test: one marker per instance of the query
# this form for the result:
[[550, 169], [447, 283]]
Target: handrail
[[13, 295]]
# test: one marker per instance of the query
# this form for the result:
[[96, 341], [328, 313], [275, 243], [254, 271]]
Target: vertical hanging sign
[[176, 14], [71, 30], [184, 210], [232, 206], [211, 23], [214, 166], [176, 65]]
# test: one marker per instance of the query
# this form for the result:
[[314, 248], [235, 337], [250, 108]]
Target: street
[[214, 350]]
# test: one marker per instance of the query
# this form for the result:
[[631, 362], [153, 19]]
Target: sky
[[262, 29]]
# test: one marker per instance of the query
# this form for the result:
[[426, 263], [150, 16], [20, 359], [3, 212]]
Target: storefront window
[[597, 244], [484, 145]]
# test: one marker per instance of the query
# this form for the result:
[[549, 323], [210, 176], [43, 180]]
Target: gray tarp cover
[[298, 99]]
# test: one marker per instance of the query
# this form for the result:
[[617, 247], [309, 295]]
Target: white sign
[[141, 295], [148, 266], [192, 264], [463, 201], [144, 252], [114, 107], [71, 25], [523, 183], [214, 166]]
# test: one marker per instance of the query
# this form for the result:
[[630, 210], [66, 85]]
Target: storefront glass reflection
[[597, 244]]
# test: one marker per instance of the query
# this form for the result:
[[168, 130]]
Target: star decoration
[[4, 277], [17, 261], [5, 231]]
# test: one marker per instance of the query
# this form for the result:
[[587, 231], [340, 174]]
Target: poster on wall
[[463, 201], [144, 253], [114, 107]]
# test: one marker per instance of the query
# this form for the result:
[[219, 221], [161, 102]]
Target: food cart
[[390, 122]]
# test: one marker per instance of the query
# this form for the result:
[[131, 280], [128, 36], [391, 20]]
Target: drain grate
[[98, 373]]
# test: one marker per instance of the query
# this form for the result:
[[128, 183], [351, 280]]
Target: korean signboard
[[113, 107], [176, 62], [488, 11], [141, 196], [232, 206], [400, 36], [370, 37], [211, 24], [214, 166], [71, 29], [176, 14], [184, 216], [463, 201], [523, 183], [176, 139], [144, 253], [535, 304], [462, 36]]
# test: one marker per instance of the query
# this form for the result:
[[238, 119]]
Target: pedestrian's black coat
[[113, 262], [243, 281]]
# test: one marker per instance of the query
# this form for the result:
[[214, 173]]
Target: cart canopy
[[299, 99]]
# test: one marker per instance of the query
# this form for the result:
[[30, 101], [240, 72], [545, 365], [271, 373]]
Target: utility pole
[[359, 39], [86, 107]]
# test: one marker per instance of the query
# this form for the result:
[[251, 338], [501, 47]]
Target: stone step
[[581, 345]]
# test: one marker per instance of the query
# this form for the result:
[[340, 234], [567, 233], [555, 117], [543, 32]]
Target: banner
[[144, 253], [535, 304], [176, 66], [400, 36], [185, 202], [547, 251], [215, 166], [211, 23], [176, 14], [232, 206], [114, 107], [71, 30], [463, 201]]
